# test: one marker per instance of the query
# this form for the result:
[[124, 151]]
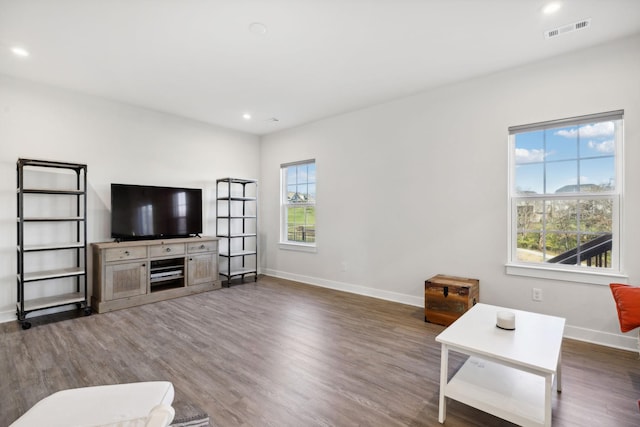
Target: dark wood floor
[[277, 353]]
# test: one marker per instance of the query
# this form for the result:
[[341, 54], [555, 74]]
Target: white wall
[[417, 187], [119, 143], [407, 189]]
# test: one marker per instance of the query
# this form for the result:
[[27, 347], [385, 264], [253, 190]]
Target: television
[[149, 212]]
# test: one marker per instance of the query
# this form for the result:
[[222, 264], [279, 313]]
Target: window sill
[[300, 247], [600, 277]]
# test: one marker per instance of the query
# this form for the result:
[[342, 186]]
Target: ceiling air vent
[[566, 29]]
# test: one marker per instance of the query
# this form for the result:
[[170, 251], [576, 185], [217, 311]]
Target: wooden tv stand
[[131, 273]]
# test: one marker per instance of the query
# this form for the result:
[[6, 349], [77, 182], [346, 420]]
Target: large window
[[565, 193], [298, 202]]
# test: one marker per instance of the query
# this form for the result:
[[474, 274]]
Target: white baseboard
[[623, 342], [7, 316], [348, 287]]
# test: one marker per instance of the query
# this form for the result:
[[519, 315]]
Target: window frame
[[284, 243], [565, 272]]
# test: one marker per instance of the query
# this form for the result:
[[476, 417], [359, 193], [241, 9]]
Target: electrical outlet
[[536, 294]]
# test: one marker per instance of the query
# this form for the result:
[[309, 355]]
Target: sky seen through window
[[553, 159]]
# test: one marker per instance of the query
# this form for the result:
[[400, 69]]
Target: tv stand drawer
[[166, 250], [119, 254], [208, 246]]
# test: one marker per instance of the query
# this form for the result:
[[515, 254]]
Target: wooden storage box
[[446, 298]]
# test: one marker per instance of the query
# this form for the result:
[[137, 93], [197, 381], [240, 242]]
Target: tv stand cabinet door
[[125, 280], [202, 268]]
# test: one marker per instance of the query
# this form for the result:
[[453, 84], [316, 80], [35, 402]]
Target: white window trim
[[300, 247], [285, 244], [569, 273], [565, 274]]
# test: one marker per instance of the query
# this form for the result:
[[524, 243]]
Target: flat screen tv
[[149, 212]]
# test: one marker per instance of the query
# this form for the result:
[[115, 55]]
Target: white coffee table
[[510, 373]]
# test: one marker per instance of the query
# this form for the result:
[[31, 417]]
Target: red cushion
[[627, 299]]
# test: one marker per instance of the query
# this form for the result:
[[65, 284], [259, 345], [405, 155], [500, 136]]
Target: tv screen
[[149, 212]]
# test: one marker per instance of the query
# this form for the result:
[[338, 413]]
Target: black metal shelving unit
[[30, 202], [237, 228]]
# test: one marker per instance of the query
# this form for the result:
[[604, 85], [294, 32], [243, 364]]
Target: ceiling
[[201, 59]]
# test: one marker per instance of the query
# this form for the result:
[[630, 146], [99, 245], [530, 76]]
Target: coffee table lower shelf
[[509, 393]]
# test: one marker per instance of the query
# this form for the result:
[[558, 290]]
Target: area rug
[[189, 415]]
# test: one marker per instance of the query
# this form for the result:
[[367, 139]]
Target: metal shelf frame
[[240, 227], [77, 242]]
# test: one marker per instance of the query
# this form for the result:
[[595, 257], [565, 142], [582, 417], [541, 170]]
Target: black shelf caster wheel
[[87, 311], [26, 325]]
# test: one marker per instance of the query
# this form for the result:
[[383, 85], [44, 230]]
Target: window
[[298, 202], [565, 194]]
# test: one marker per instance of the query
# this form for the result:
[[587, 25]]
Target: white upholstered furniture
[[144, 404]]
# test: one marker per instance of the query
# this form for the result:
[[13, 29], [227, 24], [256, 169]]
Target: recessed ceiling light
[[551, 8], [246, 116], [20, 51], [258, 28]]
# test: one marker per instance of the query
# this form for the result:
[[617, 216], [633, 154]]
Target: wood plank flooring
[[278, 353]]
